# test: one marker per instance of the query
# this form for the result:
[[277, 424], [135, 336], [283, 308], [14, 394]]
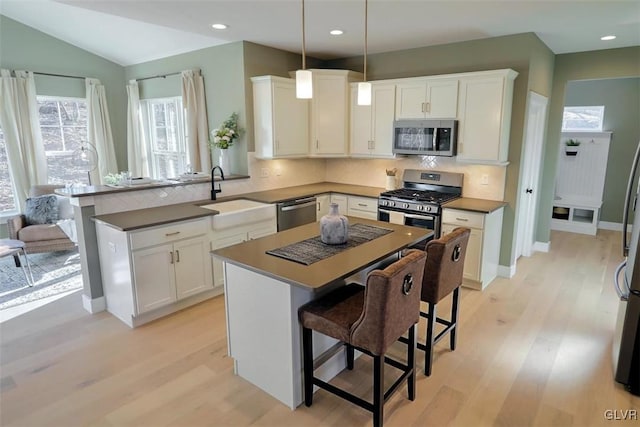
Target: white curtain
[[99, 130], [20, 123], [193, 101], [136, 142]]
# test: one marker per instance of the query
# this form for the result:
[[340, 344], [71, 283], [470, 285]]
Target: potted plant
[[571, 147]]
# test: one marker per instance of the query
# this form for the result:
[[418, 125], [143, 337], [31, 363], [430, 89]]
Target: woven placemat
[[313, 250]]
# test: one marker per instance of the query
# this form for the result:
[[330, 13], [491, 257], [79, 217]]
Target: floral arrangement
[[224, 136]]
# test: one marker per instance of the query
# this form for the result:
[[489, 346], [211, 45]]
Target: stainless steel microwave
[[425, 137]]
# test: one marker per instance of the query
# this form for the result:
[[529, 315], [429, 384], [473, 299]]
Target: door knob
[[530, 190]]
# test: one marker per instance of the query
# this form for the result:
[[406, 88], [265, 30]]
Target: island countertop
[[252, 254]]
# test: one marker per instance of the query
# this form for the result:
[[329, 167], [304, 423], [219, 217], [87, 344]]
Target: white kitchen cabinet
[[362, 207], [341, 200], [427, 98], [329, 115], [322, 205], [483, 249], [484, 116], [167, 273], [232, 236], [154, 271], [372, 125], [280, 120]]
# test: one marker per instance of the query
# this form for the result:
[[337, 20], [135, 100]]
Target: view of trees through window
[[63, 123], [585, 119], [166, 136]]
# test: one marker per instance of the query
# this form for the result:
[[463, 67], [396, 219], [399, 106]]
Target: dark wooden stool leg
[[350, 357], [411, 363], [378, 390], [428, 354], [454, 318], [307, 362]]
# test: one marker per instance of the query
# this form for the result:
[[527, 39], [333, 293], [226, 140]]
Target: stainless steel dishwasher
[[294, 213]]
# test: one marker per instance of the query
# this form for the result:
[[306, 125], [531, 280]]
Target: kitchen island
[[263, 293]]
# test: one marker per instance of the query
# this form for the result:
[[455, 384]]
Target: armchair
[[39, 238]]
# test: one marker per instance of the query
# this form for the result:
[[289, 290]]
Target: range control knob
[[392, 203], [384, 203], [428, 208], [406, 205]]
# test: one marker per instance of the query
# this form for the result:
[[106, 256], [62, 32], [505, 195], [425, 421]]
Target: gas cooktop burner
[[412, 194]]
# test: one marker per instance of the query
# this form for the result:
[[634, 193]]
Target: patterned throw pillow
[[42, 209]]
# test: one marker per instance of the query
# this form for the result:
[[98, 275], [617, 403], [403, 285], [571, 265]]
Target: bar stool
[[368, 319], [12, 247], [442, 276]]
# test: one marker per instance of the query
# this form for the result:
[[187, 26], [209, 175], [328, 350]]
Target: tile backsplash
[[272, 174]]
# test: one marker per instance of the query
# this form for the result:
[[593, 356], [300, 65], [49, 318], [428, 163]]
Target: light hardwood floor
[[532, 350]]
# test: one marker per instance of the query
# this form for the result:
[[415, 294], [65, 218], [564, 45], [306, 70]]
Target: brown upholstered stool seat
[[335, 314], [368, 319]]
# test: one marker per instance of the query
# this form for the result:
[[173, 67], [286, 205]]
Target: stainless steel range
[[419, 202]]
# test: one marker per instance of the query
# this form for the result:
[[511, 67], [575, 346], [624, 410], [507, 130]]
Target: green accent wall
[[601, 64], [621, 100], [24, 48]]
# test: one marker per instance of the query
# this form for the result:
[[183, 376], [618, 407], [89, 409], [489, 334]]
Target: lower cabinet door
[[192, 266], [473, 259], [154, 277]]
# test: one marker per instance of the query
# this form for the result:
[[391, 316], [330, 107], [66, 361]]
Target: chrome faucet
[[213, 188]]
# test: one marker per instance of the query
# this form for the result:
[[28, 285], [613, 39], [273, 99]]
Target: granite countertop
[[150, 217], [475, 205], [96, 190], [252, 254]]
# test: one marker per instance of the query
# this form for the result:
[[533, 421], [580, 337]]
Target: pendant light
[[364, 88], [304, 84]]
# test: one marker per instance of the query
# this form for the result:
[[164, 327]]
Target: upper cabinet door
[[427, 99], [329, 115], [280, 120], [485, 117], [382, 112], [360, 126]]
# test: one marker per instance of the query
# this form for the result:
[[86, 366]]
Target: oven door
[[431, 222]]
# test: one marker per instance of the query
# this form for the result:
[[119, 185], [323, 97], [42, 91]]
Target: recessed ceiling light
[[219, 27], [605, 38], [336, 32]]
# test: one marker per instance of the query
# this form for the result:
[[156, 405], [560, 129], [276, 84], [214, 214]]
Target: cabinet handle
[[428, 105], [424, 107], [318, 204], [317, 144], [364, 205], [177, 256], [462, 219], [172, 234], [171, 255]]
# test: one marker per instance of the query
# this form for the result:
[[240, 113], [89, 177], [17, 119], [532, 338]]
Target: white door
[[528, 196]]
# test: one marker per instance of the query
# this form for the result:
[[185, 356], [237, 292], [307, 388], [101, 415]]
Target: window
[[7, 198], [166, 138], [63, 123], [583, 119]]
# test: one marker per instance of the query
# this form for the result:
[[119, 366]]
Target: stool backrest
[[445, 263], [391, 303]]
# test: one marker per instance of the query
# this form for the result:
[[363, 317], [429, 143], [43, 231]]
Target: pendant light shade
[[364, 88], [304, 82], [364, 93]]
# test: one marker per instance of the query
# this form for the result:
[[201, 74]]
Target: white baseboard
[[541, 246], [614, 226], [95, 305], [507, 271]]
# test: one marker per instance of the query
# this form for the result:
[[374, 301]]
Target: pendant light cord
[[304, 62], [366, 20]]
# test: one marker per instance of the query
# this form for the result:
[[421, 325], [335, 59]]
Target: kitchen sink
[[238, 212]]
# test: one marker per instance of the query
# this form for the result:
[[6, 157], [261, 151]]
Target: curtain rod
[[58, 75], [162, 76]]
